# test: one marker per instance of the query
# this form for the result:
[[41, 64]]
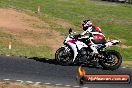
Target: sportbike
[[76, 50]]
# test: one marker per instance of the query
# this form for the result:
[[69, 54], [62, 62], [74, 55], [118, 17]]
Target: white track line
[[58, 84], [29, 81], [68, 85], [19, 81], [76, 86], [123, 67], [47, 83], [37, 83], [6, 79]]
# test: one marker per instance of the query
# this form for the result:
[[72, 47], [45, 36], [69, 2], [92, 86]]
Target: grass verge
[[127, 64], [18, 48], [25, 85]]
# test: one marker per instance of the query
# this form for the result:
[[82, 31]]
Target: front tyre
[[112, 60], [63, 56]]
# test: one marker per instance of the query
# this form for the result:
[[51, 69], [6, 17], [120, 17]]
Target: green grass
[[20, 49], [114, 19], [127, 64]]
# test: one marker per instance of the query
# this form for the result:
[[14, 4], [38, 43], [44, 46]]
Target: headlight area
[[64, 42]]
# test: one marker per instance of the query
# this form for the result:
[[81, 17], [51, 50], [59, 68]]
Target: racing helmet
[[86, 24]]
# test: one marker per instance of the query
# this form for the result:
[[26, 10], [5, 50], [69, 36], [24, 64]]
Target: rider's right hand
[[77, 36]]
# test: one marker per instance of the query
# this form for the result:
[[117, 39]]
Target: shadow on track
[[53, 61], [45, 60]]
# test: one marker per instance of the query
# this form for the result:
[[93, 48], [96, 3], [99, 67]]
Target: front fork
[[74, 49]]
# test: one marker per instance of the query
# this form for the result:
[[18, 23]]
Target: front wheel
[[63, 56], [112, 60]]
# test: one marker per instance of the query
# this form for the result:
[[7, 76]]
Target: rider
[[89, 30]]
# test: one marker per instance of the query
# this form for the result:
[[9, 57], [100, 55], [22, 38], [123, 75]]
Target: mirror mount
[[70, 30]]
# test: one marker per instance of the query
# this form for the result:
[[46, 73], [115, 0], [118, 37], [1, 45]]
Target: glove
[[77, 36]]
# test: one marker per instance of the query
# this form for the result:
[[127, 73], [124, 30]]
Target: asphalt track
[[48, 71]]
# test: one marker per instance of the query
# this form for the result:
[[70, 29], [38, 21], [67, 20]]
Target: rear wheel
[[63, 56], [112, 60]]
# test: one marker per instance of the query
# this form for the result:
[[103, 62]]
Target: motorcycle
[[76, 50]]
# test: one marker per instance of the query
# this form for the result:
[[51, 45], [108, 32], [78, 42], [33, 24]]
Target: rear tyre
[[63, 57], [112, 60]]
